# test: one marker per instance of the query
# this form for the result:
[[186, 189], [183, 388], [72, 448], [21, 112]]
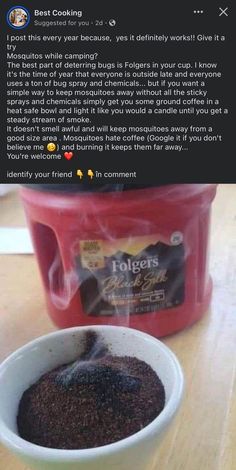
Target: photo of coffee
[[98, 399]]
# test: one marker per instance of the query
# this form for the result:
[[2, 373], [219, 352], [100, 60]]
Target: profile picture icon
[[18, 17]]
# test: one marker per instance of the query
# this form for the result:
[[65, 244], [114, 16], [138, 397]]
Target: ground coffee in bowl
[[96, 400]]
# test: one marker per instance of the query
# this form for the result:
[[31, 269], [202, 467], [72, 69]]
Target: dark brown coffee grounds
[[105, 399]]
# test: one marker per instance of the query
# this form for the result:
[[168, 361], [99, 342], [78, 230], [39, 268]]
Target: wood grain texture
[[203, 436]]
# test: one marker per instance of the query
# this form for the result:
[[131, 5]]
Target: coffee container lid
[[86, 187]]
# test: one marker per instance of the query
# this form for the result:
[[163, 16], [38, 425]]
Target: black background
[[203, 163]]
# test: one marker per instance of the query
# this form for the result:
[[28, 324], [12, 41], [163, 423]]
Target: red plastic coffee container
[[136, 257]]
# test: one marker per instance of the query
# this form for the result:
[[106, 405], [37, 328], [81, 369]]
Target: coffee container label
[[131, 276]]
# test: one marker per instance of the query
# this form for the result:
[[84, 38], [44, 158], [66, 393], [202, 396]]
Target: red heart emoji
[[68, 155]]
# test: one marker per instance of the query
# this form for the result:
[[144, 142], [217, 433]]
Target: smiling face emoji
[[51, 147]]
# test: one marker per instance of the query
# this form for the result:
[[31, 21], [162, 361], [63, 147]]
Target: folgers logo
[[119, 277], [134, 266]]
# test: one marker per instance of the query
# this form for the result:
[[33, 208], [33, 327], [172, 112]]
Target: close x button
[[223, 11]]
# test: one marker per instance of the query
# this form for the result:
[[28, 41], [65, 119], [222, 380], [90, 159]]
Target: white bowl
[[22, 368]]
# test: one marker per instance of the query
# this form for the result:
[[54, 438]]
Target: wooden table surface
[[203, 436]]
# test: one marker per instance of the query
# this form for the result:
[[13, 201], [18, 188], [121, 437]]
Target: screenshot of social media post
[[96, 93], [117, 236]]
